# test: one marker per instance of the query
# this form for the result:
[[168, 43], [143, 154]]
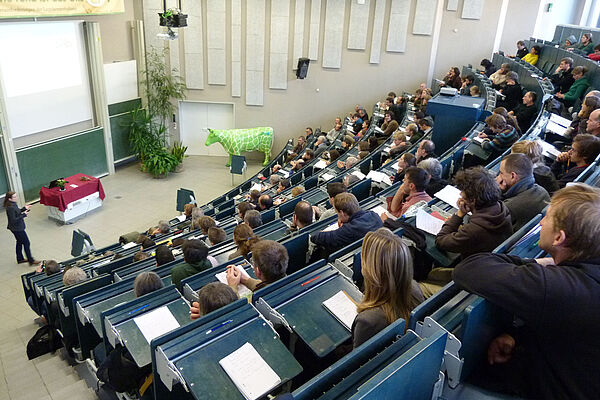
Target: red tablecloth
[[55, 198]]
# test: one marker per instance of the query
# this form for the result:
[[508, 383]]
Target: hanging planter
[[173, 18]]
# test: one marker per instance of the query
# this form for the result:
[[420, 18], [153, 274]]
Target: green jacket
[[576, 91], [185, 270], [585, 48]]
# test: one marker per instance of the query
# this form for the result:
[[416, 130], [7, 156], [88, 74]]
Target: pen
[[534, 245], [311, 280], [222, 324], [138, 309]]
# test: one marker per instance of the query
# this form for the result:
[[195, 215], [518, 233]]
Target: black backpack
[[45, 340], [120, 373]]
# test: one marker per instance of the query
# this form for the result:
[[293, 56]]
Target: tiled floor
[[134, 201]]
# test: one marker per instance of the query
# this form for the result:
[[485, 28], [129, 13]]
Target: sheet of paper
[[395, 166], [243, 291], [155, 323], [181, 217], [376, 176], [327, 177], [284, 173], [380, 210], [449, 195], [556, 128], [256, 186], [331, 227], [250, 372], [557, 119], [478, 140], [387, 149], [320, 164], [428, 223], [387, 180], [73, 185], [359, 175], [130, 245], [342, 308], [549, 149]]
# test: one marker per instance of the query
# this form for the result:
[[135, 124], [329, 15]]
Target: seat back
[[287, 208], [238, 164], [268, 215], [297, 248], [361, 190]]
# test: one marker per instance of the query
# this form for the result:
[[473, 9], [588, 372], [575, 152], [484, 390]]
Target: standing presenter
[[16, 224]]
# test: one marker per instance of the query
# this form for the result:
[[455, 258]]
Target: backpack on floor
[[45, 340]]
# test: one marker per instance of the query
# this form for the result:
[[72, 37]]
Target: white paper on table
[[378, 129], [376, 176], [129, 245], [479, 140], [359, 175], [331, 227], [411, 118], [256, 186], [327, 177], [387, 149], [320, 164], [548, 148], [557, 119], [73, 185], [380, 210], [243, 290], [556, 128], [249, 372], [181, 217], [342, 308], [284, 173], [396, 166], [239, 196], [387, 180], [428, 223], [155, 323], [449, 195]]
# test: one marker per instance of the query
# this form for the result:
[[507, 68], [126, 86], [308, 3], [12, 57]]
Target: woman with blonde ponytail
[[390, 291]]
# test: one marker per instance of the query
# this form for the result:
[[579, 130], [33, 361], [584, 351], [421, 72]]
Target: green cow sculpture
[[235, 141]]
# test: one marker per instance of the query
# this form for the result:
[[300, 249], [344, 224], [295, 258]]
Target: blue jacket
[[356, 228]]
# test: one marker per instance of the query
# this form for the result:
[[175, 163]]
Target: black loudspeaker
[[302, 68]]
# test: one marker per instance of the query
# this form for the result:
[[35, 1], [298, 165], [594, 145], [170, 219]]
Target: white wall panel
[[236, 48], [193, 45], [280, 31], [424, 17], [215, 42], [472, 9], [335, 11], [398, 27], [255, 52], [315, 29], [298, 32], [377, 37], [359, 24]]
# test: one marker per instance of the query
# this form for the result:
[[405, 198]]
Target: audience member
[[498, 78], [467, 83], [333, 189], [526, 112], [270, 261], [73, 276], [511, 92], [195, 255], [452, 78], [398, 110], [596, 54], [533, 56], [522, 50], [139, 256], [580, 121], [350, 180], [401, 143], [187, 210], [253, 219], [265, 202], [510, 120], [163, 255], [592, 125], [335, 131], [204, 223], [521, 195], [569, 42], [575, 92], [216, 235], [147, 243], [425, 150], [363, 114], [244, 207], [283, 184], [489, 224], [425, 126], [320, 145], [353, 224], [555, 298], [405, 161], [303, 216], [389, 125], [434, 169], [300, 145], [211, 297], [474, 91], [411, 192], [373, 143], [488, 67], [584, 150], [364, 129], [585, 46], [333, 155], [297, 190], [255, 194], [350, 162], [146, 282], [362, 155], [356, 123], [503, 135], [541, 172], [390, 291], [562, 79], [244, 238]]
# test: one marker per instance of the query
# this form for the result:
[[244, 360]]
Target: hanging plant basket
[[172, 20]]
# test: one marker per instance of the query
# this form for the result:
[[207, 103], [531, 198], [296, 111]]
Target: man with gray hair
[[320, 145], [73, 276], [253, 218], [434, 169], [520, 194]]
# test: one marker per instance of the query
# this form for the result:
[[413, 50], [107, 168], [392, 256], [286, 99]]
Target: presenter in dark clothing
[[16, 224]]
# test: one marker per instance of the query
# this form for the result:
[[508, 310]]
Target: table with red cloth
[[60, 200]]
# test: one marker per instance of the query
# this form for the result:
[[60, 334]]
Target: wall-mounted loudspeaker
[[302, 68]]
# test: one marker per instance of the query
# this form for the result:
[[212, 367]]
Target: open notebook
[[243, 291], [342, 308], [250, 372]]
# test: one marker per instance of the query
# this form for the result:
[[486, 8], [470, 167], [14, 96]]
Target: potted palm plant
[[178, 151]]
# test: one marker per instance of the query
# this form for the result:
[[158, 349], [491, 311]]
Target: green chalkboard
[[3, 177], [124, 106], [39, 164], [119, 130]]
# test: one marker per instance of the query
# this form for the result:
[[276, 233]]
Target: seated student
[[401, 144], [570, 164], [147, 243], [205, 223], [71, 277], [498, 78], [335, 131], [425, 97], [434, 169], [333, 156], [297, 191], [244, 238], [398, 110], [347, 144], [163, 227], [474, 91], [526, 112], [425, 150], [510, 120], [283, 184], [580, 122], [362, 155], [390, 291], [409, 193], [195, 255], [562, 79], [253, 219], [503, 135], [333, 189], [363, 114], [363, 130], [308, 155], [555, 298], [389, 126], [373, 143], [512, 92], [350, 180], [467, 83], [255, 194], [533, 56], [522, 50], [265, 202], [425, 126], [146, 282], [569, 42], [244, 207], [452, 78], [211, 297], [488, 67], [47, 267], [303, 216], [541, 172], [576, 90], [187, 210], [353, 223], [356, 123], [216, 235], [521, 195], [596, 54], [139, 256], [270, 261], [405, 161], [348, 164], [593, 123], [489, 224], [301, 144], [163, 255], [585, 46]]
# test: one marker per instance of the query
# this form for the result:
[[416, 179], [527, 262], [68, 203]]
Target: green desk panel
[[95, 310]]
